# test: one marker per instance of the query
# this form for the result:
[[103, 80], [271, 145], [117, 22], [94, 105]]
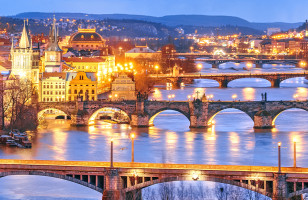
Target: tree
[[19, 112]]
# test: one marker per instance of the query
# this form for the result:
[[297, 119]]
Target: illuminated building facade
[[25, 59], [123, 88], [81, 84], [52, 87]]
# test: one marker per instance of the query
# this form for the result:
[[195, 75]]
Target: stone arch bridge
[[223, 79], [199, 113], [124, 181]]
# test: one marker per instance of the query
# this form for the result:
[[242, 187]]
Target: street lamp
[[111, 154], [294, 143], [234, 97], [189, 96], [156, 67], [173, 96], [199, 65], [132, 136], [169, 97], [279, 158], [295, 96]]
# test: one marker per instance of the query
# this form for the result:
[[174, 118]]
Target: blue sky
[[251, 10]]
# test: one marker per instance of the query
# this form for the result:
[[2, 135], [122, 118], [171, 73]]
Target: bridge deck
[[8, 163]]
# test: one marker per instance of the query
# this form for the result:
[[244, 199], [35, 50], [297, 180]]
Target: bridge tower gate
[[280, 191], [81, 117]]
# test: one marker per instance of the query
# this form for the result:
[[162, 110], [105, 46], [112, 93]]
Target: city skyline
[[253, 11]]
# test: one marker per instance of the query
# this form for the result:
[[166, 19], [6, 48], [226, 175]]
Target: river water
[[232, 141]]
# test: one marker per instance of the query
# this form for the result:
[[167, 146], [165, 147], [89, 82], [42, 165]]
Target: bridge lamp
[[234, 97], [189, 96], [295, 96], [156, 68], [279, 157], [169, 97], [303, 64], [111, 153], [173, 96], [294, 151], [132, 137]]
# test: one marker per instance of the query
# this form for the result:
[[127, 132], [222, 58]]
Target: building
[[141, 51], [271, 31], [53, 53], [87, 40], [81, 84], [25, 59], [103, 67], [52, 87], [123, 88]]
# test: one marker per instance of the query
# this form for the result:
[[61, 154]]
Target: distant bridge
[[224, 78], [125, 180], [199, 113]]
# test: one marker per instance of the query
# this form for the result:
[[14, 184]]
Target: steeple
[[53, 38], [12, 47], [25, 37]]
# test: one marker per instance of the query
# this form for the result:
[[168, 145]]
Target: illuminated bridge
[[200, 113], [125, 180], [224, 78]]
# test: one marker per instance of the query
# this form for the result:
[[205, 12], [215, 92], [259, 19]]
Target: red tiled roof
[[84, 59], [61, 75]]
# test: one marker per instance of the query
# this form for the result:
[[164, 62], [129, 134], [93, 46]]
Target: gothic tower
[[25, 59], [53, 53]]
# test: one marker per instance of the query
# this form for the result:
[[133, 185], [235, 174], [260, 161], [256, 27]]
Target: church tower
[[53, 53], [25, 59]]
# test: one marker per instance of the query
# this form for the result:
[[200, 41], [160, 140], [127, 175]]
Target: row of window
[[80, 91], [56, 86], [60, 83], [52, 99], [56, 92], [86, 45], [73, 98]]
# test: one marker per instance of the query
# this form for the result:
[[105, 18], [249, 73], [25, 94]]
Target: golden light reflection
[[157, 94], [301, 94], [60, 142], [249, 94], [234, 140]]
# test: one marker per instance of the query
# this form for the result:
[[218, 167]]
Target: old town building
[[81, 84], [52, 87], [123, 88]]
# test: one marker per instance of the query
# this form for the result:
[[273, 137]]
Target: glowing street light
[[173, 96], [294, 151], [199, 66], [111, 154], [188, 97], [234, 97], [279, 158], [157, 67], [169, 97], [132, 136], [295, 96]]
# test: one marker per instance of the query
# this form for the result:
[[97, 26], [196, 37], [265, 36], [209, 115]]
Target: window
[[93, 92], [92, 98], [48, 92], [44, 92], [81, 91], [75, 92], [56, 93], [69, 98], [47, 86], [44, 99], [69, 91]]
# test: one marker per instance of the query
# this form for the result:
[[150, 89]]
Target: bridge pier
[[223, 83], [263, 120], [259, 65], [280, 190], [140, 120], [112, 189], [215, 66], [275, 83]]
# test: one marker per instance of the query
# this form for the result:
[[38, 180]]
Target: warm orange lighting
[[279, 144], [132, 136], [234, 96], [294, 139]]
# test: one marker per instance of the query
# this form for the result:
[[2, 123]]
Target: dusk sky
[[251, 10]]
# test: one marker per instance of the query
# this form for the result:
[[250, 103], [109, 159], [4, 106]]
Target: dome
[[86, 35]]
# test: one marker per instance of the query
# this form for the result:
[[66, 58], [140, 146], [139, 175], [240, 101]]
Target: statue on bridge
[[142, 97]]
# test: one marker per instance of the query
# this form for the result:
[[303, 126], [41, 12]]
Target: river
[[232, 141]]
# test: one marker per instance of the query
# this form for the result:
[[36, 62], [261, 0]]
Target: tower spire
[[12, 47], [25, 37]]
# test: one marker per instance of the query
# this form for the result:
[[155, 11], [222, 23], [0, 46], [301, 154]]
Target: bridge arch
[[153, 116], [266, 84], [94, 114], [200, 178], [53, 175], [275, 116], [216, 112], [58, 112]]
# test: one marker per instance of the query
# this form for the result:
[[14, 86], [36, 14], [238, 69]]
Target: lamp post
[[132, 136], [234, 97], [199, 67], [111, 154], [279, 158], [156, 67], [294, 161]]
